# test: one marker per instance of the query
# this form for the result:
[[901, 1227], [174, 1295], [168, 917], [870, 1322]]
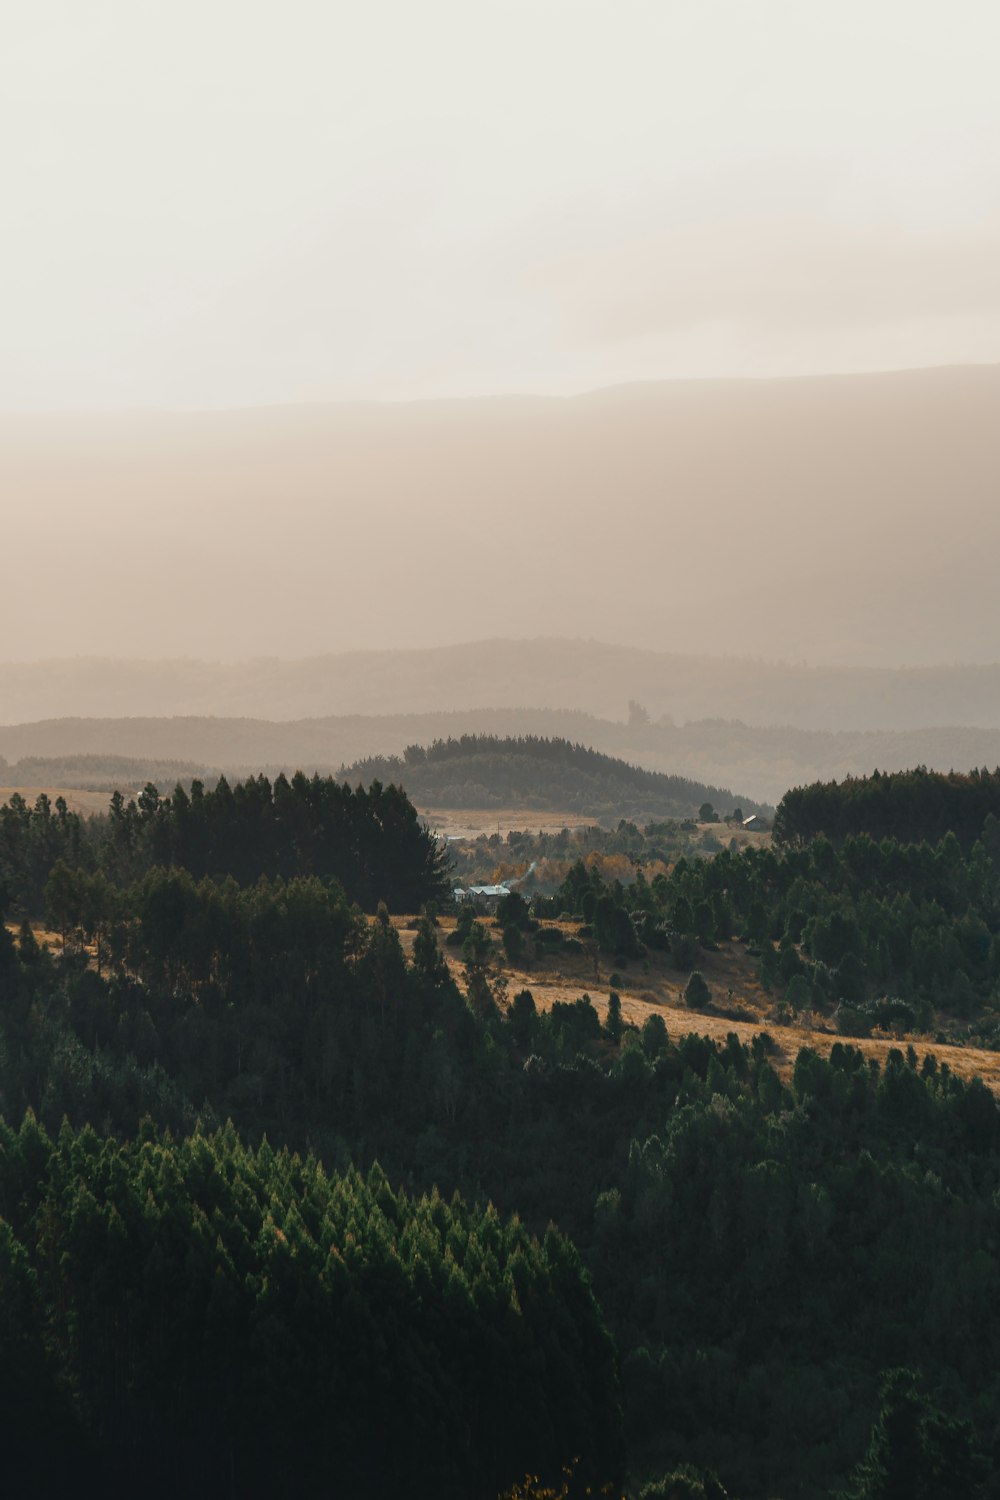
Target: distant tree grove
[[905, 805]]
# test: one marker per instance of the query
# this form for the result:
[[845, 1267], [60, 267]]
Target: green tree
[[654, 1036], [485, 981], [696, 992], [768, 967], [685, 1483], [523, 1017], [916, 1452], [428, 961], [513, 942], [614, 1025], [513, 911], [63, 899], [383, 968]]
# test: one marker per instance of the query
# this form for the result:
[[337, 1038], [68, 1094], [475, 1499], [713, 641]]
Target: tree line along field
[[737, 1003], [85, 801], [235, 956]]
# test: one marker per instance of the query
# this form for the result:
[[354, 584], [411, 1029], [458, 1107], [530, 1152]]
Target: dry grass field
[[652, 986], [469, 823], [83, 802]]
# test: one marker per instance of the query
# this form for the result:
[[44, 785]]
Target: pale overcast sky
[[229, 202]]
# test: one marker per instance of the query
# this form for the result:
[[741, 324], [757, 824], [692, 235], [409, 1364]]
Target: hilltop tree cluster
[[529, 771]]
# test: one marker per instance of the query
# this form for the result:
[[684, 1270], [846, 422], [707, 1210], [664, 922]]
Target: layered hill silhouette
[[533, 773], [761, 762], [825, 519], [582, 677], [472, 771]]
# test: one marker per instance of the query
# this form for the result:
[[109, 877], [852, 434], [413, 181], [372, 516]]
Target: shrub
[[696, 992], [654, 1036], [852, 1022], [513, 942], [684, 950]]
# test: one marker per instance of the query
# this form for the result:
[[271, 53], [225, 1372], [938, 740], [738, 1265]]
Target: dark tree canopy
[[906, 805], [370, 840], [766, 1235], [239, 1322]]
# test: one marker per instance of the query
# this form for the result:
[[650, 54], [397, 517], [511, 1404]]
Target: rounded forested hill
[[476, 771]]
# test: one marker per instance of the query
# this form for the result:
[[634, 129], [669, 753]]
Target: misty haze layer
[[554, 677], [761, 762], [216, 203], [830, 520]]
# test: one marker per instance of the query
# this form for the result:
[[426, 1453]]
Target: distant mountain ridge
[[573, 676], [763, 762]]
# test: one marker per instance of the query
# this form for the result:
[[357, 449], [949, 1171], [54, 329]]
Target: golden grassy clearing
[[83, 802], [470, 822], [652, 987], [45, 936]]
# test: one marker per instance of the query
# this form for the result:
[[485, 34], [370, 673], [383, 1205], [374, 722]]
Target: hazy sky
[[227, 202]]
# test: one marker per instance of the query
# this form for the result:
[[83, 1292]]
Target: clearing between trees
[[651, 986]]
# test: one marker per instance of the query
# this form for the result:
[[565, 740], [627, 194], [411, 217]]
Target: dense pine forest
[[370, 842], [234, 1321], [276, 1198], [905, 804]]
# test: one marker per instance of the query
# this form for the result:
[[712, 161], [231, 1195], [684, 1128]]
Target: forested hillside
[[763, 761], [370, 842], [908, 804], [238, 1321], [763, 1252], [102, 773], [534, 773]]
